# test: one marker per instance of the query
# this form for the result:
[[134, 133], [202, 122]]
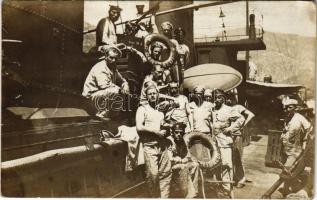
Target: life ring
[[210, 143], [148, 40]]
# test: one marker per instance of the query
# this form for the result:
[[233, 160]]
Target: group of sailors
[[165, 118], [208, 113], [106, 35]]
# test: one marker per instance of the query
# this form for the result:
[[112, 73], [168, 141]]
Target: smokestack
[[252, 34]]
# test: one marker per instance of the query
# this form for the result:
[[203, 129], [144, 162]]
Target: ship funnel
[[252, 34]]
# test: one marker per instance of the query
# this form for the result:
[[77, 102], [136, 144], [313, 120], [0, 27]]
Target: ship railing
[[225, 36]]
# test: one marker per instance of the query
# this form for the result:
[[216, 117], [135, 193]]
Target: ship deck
[[261, 177]]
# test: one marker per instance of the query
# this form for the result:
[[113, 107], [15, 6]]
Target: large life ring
[[211, 144], [148, 40]]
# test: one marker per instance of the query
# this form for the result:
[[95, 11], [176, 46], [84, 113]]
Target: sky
[[295, 17]]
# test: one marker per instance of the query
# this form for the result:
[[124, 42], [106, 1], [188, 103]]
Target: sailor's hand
[[125, 89], [161, 133], [114, 89], [227, 131], [163, 105], [173, 146], [176, 159]]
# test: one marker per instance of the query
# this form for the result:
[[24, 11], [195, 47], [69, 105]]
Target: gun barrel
[[192, 6], [272, 189]]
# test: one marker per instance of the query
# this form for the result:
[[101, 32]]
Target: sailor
[[201, 111], [185, 170], [182, 113], [156, 144], [237, 149], [156, 52], [159, 77], [104, 80], [147, 25], [208, 96], [182, 51], [167, 30], [293, 138], [106, 29], [225, 122]]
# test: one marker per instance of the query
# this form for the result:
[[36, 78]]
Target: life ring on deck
[[208, 162], [148, 40]]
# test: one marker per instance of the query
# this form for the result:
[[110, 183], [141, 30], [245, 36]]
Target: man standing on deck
[[167, 30], [155, 143], [182, 52], [237, 151], [182, 113], [294, 138], [147, 25], [225, 122], [208, 96], [201, 111]]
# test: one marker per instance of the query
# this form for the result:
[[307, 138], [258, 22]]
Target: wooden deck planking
[[262, 177]]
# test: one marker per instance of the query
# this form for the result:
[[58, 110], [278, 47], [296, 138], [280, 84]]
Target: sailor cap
[[106, 48], [287, 102], [117, 8], [167, 25]]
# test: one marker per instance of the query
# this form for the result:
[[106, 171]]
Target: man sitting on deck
[[104, 81], [185, 170]]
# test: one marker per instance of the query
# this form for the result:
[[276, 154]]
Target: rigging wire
[[120, 18]]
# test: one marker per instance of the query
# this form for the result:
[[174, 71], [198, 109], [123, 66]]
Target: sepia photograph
[[158, 99]]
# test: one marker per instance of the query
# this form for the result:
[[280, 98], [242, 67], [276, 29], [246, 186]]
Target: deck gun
[[132, 27]]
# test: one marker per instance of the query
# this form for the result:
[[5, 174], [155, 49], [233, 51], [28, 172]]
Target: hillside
[[288, 58], [90, 38]]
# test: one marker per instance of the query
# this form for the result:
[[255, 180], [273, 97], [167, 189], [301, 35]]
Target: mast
[[247, 54]]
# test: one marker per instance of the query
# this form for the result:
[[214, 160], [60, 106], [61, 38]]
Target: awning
[[258, 89]]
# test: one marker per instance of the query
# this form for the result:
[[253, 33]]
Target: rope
[[202, 183], [128, 189]]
